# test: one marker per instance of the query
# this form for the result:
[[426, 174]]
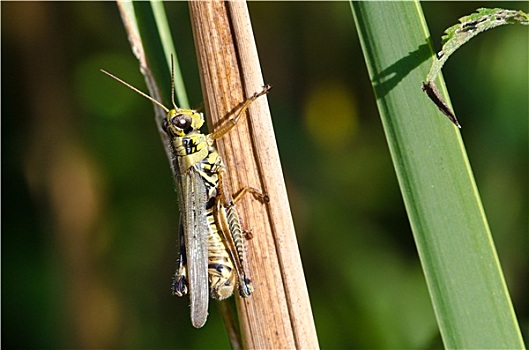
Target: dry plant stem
[[138, 50], [278, 314], [230, 323]]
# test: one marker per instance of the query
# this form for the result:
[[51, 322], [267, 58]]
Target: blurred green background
[[89, 214]]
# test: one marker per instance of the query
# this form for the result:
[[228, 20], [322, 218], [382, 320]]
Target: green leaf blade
[[453, 239], [156, 38]]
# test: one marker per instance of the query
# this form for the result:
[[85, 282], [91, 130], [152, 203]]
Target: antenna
[[138, 91], [172, 82]]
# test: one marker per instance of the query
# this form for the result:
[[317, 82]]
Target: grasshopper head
[[182, 122]]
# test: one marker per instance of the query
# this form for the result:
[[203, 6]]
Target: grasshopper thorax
[[181, 122]]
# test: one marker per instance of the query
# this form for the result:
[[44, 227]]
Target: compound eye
[[165, 124], [181, 121]]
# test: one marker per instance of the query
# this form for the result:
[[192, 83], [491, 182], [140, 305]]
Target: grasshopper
[[211, 240]]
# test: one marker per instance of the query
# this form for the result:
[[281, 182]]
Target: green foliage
[[459, 260], [459, 34], [107, 284], [470, 26]]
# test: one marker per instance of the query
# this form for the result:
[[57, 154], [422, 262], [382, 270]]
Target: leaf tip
[[431, 90]]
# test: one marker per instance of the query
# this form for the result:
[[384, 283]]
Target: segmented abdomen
[[222, 279]]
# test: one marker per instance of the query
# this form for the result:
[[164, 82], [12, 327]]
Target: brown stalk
[[278, 314]]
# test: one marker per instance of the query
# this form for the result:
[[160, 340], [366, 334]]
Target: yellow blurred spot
[[331, 115]]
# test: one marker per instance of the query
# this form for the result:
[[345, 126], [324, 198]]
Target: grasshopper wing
[[196, 243]]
